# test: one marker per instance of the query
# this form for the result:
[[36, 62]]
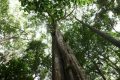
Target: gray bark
[[65, 65]]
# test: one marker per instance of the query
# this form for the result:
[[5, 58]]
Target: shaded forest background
[[87, 26]]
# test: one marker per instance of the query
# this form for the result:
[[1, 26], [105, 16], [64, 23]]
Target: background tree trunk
[[102, 34]]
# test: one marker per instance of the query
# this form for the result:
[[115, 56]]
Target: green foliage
[[36, 46], [23, 57], [54, 8], [33, 62], [15, 69], [4, 7], [90, 49], [7, 24], [37, 60]]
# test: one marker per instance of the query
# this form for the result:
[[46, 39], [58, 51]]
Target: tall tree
[[64, 63], [97, 56]]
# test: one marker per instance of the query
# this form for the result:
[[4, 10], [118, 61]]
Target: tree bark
[[65, 65]]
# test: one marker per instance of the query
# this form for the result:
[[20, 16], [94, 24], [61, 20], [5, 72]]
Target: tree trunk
[[99, 71], [102, 34], [65, 65]]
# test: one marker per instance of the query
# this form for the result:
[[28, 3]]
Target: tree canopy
[[89, 27]]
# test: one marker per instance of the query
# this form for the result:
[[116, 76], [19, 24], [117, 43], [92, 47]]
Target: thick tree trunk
[[103, 35], [65, 65]]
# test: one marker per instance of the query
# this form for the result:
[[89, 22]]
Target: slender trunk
[[99, 71], [107, 37], [65, 65], [103, 35]]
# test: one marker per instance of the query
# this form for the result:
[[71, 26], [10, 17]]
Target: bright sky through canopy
[[14, 4]]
